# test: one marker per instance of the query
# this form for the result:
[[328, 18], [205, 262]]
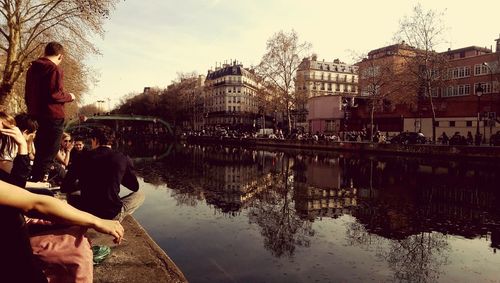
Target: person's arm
[[31, 146], [21, 168], [16, 197], [129, 179], [57, 93], [63, 158]]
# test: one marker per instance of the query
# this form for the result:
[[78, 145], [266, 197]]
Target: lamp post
[[491, 119], [479, 92]]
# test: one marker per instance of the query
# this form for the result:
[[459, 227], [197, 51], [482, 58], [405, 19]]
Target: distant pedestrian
[[470, 139], [45, 98], [444, 138]]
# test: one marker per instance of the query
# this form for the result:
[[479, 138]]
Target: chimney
[[497, 50]]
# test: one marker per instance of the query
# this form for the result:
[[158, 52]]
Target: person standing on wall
[[45, 98]]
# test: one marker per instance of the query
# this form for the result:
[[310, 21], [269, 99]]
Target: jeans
[[47, 143], [130, 202]]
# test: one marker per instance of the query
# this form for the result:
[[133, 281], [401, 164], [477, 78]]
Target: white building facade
[[231, 98], [325, 86]]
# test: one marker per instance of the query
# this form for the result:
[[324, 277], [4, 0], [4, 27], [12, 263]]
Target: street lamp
[[479, 92], [491, 118]]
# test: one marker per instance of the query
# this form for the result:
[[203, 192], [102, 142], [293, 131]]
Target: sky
[[148, 42]]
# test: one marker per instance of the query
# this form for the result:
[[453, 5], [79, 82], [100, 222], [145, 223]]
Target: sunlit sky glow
[[147, 42]]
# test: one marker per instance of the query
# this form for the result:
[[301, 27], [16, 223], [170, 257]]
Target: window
[[486, 87], [468, 123], [459, 72], [459, 90], [479, 69], [330, 125], [467, 71], [452, 123]]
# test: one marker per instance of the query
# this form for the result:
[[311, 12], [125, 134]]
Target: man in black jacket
[[98, 175]]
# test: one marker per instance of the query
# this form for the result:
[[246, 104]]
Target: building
[[323, 87], [231, 98], [455, 100], [383, 90], [470, 102]]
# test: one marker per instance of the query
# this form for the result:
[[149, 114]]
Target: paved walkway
[[137, 259]]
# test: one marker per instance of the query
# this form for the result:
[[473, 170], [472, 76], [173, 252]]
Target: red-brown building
[[456, 101]]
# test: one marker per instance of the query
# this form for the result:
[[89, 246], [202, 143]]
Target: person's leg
[[130, 203], [47, 142]]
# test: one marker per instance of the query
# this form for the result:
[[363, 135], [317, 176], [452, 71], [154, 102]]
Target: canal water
[[265, 215]]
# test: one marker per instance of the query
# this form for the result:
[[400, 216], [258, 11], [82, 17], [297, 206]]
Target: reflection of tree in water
[[274, 211], [418, 258], [393, 221]]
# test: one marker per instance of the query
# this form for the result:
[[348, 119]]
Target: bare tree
[[189, 89], [380, 81], [424, 30], [279, 222], [26, 25], [279, 64]]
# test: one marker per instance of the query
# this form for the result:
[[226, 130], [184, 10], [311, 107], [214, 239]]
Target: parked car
[[495, 139], [409, 138]]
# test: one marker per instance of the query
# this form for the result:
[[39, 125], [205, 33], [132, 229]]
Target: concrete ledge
[[137, 259]]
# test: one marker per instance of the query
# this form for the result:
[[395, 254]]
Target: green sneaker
[[100, 253]]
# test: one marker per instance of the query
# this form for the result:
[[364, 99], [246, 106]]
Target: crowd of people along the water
[[341, 136], [35, 155]]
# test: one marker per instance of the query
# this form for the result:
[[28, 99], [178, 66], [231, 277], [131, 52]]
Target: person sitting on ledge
[[17, 262], [98, 174]]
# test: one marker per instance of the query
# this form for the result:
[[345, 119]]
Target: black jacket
[[98, 174]]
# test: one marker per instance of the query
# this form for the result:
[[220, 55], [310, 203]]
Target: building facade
[[231, 98], [324, 86], [455, 101]]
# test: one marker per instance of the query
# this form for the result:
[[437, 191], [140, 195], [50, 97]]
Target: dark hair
[[104, 135], [7, 145], [53, 48], [25, 123], [78, 138]]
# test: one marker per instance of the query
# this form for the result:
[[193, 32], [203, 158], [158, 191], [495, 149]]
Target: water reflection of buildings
[[233, 176], [398, 200], [320, 188]]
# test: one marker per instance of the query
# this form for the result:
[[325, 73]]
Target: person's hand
[[72, 96], [16, 134], [70, 146], [30, 137], [110, 227]]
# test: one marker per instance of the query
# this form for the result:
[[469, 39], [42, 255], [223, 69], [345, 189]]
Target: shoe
[[100, 253]]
